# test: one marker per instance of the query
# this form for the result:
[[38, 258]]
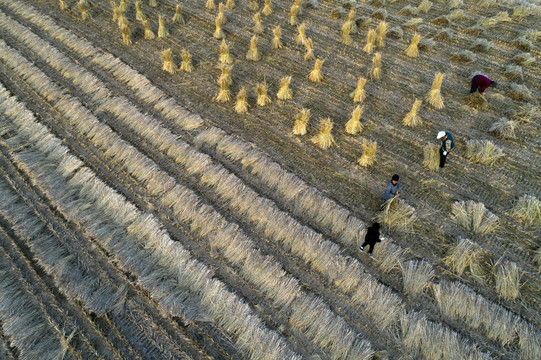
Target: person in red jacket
[[481, 83]]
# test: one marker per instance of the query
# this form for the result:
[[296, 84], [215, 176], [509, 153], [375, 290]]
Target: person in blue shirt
[[393, 188], [447, 144]]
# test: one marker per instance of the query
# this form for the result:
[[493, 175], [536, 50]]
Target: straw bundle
[[354, 126], [324, 138], [413, 49], [412, 119], [285, 93], [359, 94], [301, 121], [434, 96], [315, 75]]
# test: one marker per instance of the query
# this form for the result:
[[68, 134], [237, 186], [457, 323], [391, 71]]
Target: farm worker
[[447, 144], [481, 83], [371, 238], [393, 188]]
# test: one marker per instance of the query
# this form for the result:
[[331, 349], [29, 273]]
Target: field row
[[331, 222], [103, 229]]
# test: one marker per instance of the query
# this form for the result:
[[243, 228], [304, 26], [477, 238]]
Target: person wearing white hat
[[447, 144]]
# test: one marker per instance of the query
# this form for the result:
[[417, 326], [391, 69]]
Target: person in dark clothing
[[447, 144], [481, 83], [371, 237], [393, 188]]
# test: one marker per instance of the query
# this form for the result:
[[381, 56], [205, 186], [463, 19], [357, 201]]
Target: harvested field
[[192, 179]]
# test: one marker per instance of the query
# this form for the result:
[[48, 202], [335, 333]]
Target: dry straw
[[457, 15], [225, 76], [474, 217], [413, 49], [178, 18], [381, 31], [123, 5], [225, 56], [324, 138], [162, 31], [301, 122], [389, 256], [309, 50], [507, 278], [241, 106], [224, 94], [186, 64], [84, 7], [424, 6], [528, 210], [504, 128], [520, 92], [380, 14], [465, 56], [375, 73], [301, 36], [315, 75], [354, 126], [346, 30], [397, 215], [149, 35], [168, 64], [262, 98], [285, 93], [523, 59], [466, 255], [253, 5], [369, 153], [211, 5], [126, 33], [443, 20], [427, 44], [409, 10], [267, 9], [434, 95], [219, 32], [293, 14], [412, 118], [529, 342], [230, 4], [413, 22], [253, 52], [455, 3], [258, 28], [524, 114], [431, 158], [117, 13], [520, 12], [524, 44], [500, 17], [417, 276], [359, 94], [513, 72], [299, 4], [220, 18], [152, 3], [481, 45], [477, 101], [483, 152], [138, 12], [63, 5], [370, 39], [276, 40]]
